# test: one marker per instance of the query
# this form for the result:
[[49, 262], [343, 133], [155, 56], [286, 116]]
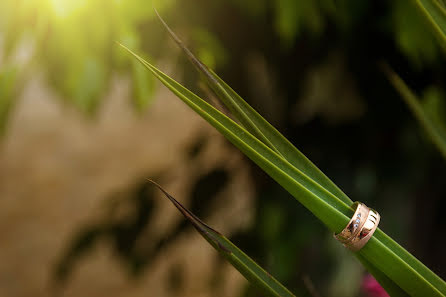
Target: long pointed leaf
[[436, 135], [388, 284], [299, 160], [221, 92], [333, 212], [435, 14], [327, 207], [257, 125], [242, 262]]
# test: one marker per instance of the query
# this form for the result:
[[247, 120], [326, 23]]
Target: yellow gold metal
[[355, 224]]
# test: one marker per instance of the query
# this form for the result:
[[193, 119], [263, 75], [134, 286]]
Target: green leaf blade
[[333, 212], [436, 135], [413, 262], [327, 207], [242, 262], [435, 14], [256, 124], [389, 285], [285, 147], [261, 128], [401, 272]]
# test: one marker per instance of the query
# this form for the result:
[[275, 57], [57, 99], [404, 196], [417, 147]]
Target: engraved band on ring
[[355, 224], [360, 228], [366, 232]]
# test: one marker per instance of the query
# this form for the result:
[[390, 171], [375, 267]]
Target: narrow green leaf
[[221, 92], [388, 257], [257, 125], [302, 163], [8, 88], [143, 86], [242, 262], [327, 207], [390, 286], [435, 13], [437, 136], [422, 270]]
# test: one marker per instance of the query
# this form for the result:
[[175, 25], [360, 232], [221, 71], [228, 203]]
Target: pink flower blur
[[372, 287]]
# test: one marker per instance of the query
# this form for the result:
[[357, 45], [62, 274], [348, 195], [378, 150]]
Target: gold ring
[[366, 232], [360, 227], [355, 224]]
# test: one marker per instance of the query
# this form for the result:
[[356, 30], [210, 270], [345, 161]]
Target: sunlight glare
[[64, 8]]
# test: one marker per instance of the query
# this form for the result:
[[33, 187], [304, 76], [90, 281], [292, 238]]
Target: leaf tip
[[198, 224]]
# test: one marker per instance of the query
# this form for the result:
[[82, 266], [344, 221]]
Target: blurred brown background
[[61, 172]]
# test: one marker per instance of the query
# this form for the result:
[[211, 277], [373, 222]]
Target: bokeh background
[[83, 126]]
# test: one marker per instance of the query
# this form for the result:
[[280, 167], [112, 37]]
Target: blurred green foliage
[[412, 34], [8, 78], [73, 42], [295, 17], [434, 104]]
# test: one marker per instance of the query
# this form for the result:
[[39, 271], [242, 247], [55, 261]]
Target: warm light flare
[[64, 8]]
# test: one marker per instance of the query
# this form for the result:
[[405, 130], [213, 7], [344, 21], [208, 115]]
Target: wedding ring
[[355, 224], [360, 227], [366, 231]]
